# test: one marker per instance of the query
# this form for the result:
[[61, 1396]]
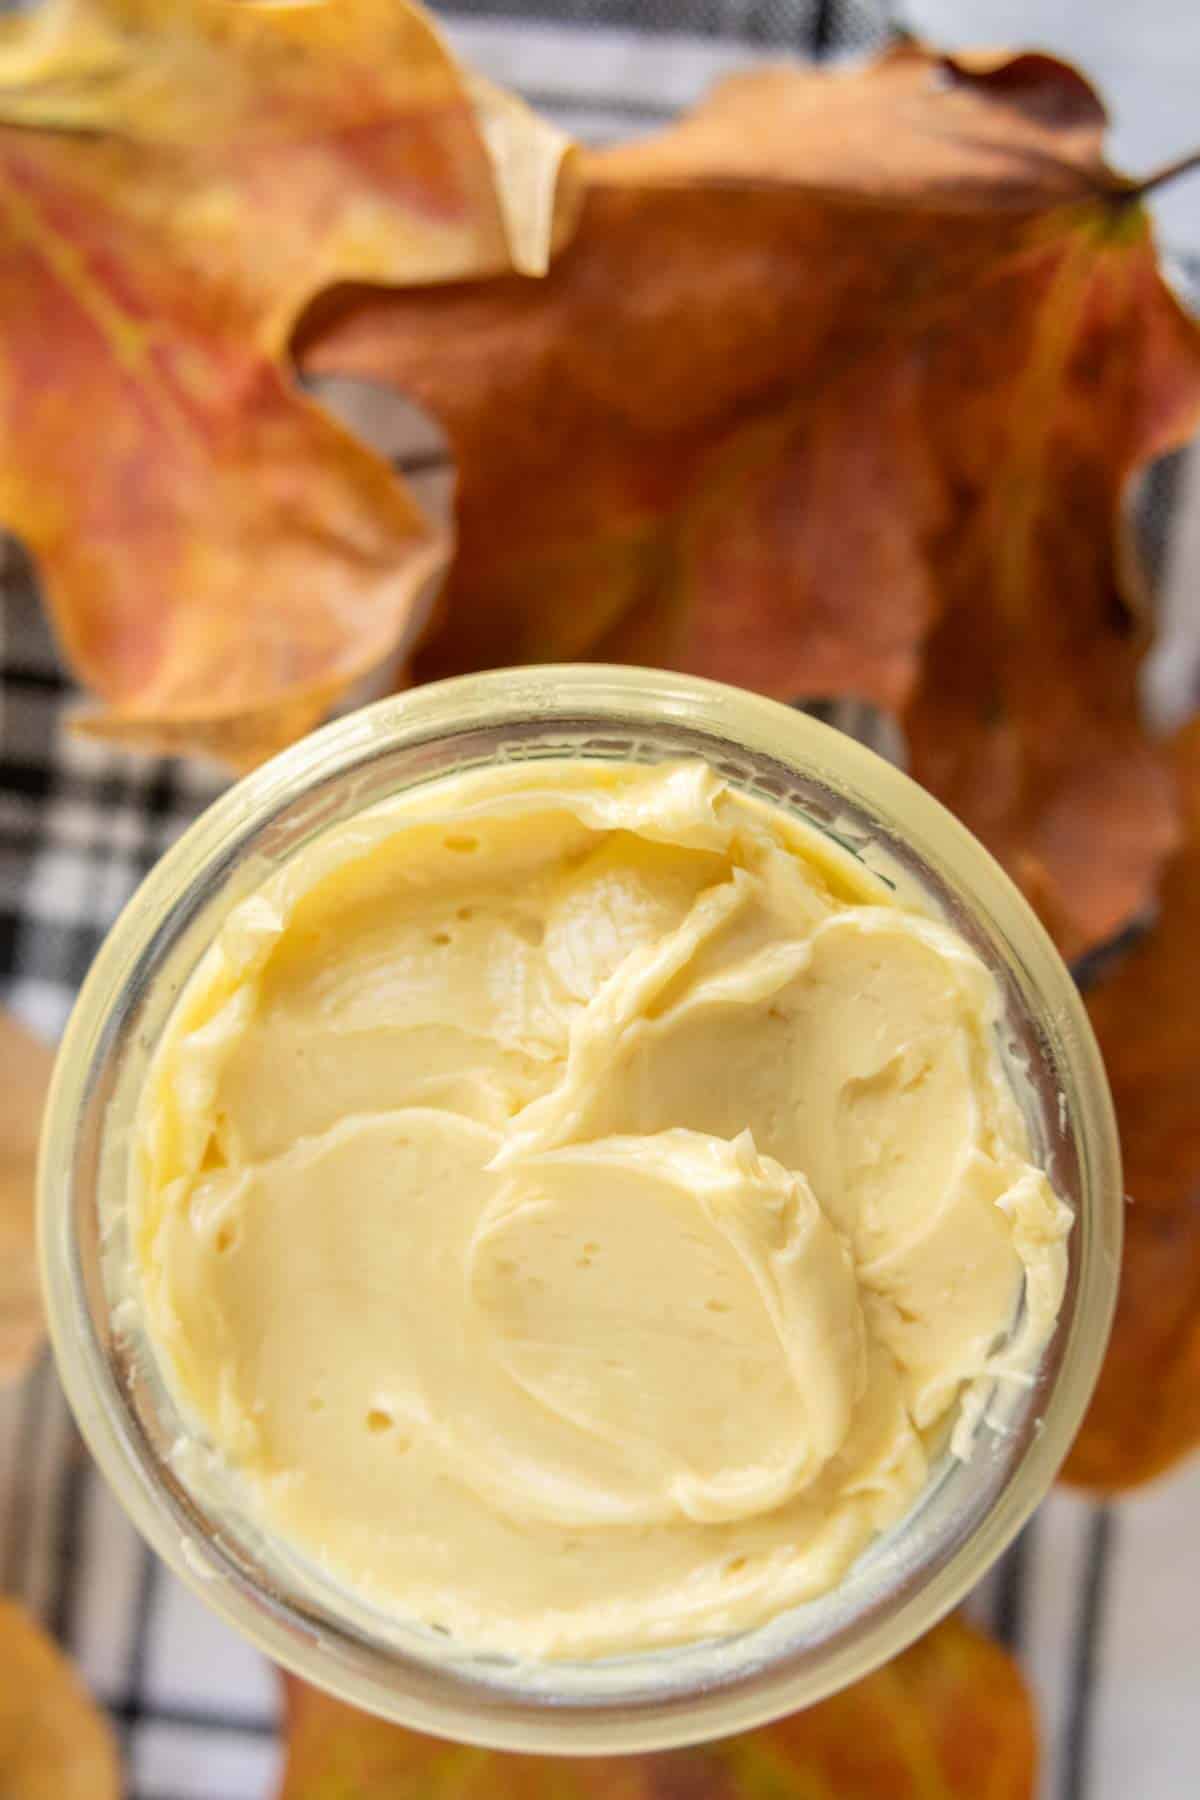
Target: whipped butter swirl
[[578, 1200]]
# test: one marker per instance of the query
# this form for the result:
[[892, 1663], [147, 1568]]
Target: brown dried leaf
[[950, 1719], [26, 1065], [177, 178], [1145, 1413], [55, 1743], [837, 390]]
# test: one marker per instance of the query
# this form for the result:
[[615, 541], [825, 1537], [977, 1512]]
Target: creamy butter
[[578, 1201]]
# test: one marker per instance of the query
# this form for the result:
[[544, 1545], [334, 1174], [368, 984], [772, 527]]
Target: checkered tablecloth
[[1100, 1603]]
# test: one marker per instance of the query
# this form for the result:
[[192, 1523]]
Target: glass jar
[[911, 1575]]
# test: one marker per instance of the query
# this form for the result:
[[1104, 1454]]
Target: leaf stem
[[1183, 165]]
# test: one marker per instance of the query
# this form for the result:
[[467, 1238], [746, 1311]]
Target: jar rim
[[559, 699]]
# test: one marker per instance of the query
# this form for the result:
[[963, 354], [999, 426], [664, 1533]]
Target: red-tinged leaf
[[177, 177]]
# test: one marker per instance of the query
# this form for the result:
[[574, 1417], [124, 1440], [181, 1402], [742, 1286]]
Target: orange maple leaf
[[1145, 1413], [950, 1719], [837, 391], [177, 177]]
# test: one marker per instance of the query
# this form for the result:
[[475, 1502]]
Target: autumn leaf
[[177, 177], [55, 1744], [26, 1064], [837, 390], [950, 1719], [1146, 1410]]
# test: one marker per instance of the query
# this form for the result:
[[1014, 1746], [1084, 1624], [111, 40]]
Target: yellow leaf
[[55, 1744]]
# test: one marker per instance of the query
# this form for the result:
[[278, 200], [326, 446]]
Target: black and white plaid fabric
[[1099, 1603]]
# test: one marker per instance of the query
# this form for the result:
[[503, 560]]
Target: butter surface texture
[[579, 1201]]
